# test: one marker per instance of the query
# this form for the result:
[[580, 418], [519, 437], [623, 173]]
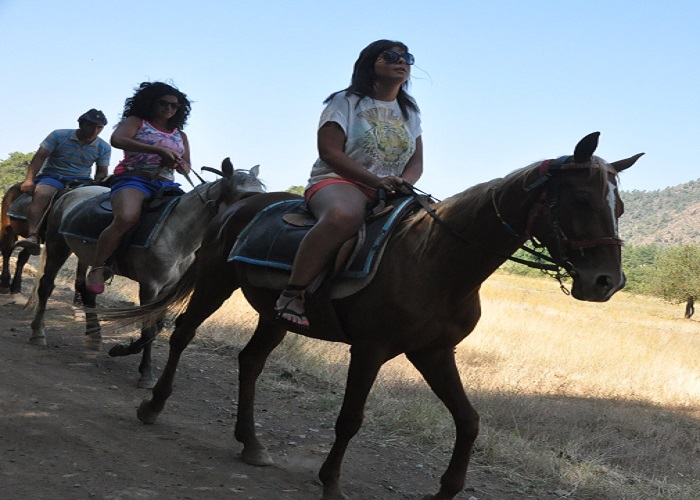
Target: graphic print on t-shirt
[[387, 141]]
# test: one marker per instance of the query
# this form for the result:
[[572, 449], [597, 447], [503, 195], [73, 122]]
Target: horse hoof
[[260, 457], [146, 383], [119, 350], [93, 343], [37, 341], [145, 414]]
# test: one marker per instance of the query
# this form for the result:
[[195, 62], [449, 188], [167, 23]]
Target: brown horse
[[424, 298], [10, 229]]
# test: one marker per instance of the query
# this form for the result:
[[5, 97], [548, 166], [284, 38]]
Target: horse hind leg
[[251, 361], [439, 370]]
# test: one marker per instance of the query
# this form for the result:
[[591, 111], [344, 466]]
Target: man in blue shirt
[[66, 155]]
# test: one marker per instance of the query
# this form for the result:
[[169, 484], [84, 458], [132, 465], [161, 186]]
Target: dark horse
[[154, 267], [11, 229], [424, 298]]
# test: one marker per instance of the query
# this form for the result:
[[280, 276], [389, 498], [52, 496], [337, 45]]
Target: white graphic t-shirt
[[377, 135]]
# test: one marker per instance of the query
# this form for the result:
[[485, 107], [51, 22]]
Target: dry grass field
[[603, 399]]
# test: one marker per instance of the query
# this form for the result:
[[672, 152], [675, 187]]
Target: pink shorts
[[369, 192]]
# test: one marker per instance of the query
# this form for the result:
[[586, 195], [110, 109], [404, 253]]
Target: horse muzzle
[[596, 286]]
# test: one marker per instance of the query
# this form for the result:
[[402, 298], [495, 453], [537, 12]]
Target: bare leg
[[40, 200], [127, 205], [340, 210]]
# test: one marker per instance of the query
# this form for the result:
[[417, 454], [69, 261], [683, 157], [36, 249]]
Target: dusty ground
[[68, 428]]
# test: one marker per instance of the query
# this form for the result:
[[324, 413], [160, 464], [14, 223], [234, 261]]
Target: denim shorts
[[59, 181], [143, 184]]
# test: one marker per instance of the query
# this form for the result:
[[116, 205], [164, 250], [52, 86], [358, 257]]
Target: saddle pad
[[89, 218], [19, 208], [271, 242]]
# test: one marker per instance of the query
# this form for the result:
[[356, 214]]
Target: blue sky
[[501, 84]]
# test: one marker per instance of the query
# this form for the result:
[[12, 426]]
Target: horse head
[[582, 205], [236, 183]]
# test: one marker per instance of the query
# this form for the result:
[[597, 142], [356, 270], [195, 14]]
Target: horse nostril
[[604, 281]]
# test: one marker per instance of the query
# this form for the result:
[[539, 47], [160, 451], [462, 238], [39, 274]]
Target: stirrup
[[31, 243], [108, 275], [293, 292]]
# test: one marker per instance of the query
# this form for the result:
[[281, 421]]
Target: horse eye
[[582, 200]]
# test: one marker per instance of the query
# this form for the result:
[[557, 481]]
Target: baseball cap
[[94, 116]]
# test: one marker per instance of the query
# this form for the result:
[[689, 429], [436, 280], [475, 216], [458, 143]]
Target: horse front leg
[[93, 330], [143, 343], [43, 291], [206, 299], [365, 363], [16, 285], [251, 361], [440, 372], [148, 335]]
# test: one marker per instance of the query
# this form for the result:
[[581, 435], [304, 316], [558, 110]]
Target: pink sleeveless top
[[149, 162]]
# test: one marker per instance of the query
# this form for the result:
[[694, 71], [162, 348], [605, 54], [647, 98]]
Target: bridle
[[211, 205], [558, 267], [549, 205]]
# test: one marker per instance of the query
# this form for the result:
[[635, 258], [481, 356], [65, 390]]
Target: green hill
[[667, 217]]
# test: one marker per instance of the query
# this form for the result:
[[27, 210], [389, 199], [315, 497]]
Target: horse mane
[[467, 203]]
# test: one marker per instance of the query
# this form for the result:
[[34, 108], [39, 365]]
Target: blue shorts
[[143, 184], [59, 181]]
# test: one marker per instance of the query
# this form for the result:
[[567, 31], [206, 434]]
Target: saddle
[[19, 209], [88, 219], [270, 241]]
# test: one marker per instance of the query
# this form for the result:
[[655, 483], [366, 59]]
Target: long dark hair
[[147, 93], [363, 76]]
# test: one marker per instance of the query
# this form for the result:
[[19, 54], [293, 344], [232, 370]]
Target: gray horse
[[154, 267]]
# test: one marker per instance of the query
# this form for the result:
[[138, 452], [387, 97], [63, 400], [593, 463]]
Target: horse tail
[[33, 301], [173, 300]]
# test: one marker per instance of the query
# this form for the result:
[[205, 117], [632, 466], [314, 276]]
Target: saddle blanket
[[19, 208], [88, 219], [270, 242]]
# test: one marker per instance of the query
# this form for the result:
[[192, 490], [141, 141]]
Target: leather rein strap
[[548, 204]]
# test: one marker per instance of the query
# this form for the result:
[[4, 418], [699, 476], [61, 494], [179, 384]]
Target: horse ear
[[621, 165], [255, 170], [586, 147], [227, 168]]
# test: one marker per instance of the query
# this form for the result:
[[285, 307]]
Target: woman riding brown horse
[[424, 298]]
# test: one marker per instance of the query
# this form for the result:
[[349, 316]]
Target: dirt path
[[68, 429]]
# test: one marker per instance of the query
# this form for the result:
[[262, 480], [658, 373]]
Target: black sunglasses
[[391, 57], [168, 104]]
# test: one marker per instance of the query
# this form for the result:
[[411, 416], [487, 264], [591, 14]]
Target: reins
[[207, 203], [423, 202], [549, 200]]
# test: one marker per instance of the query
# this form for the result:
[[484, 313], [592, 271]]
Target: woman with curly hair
[[150, 133]]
